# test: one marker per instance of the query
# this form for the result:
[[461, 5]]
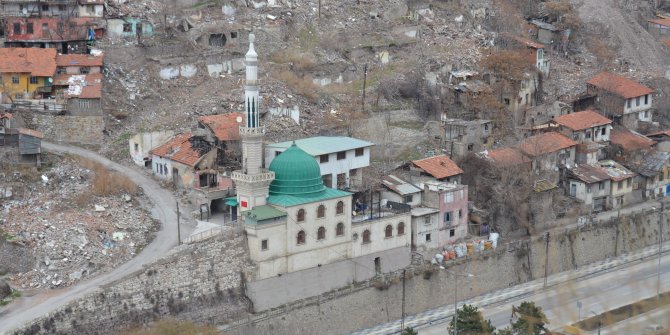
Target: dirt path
[[27, 308]]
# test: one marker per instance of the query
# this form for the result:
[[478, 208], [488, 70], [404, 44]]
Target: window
[[366, 236], [139, 30], [619, 185], [341, 155], [264, 245], [127, 28], [460, 213], [277, 153], [388, 231], [137, 147], [630, 103], [321, 233], [588, 189], [339, 229], [452, 232], [60, 70], [427, 237], [17, 28], [637, 101], [45, 26], [323, 158], [426, 220], [34, 80], [603, 131], [60, 27], [84, 104], [45, 8], [646, 99], [301, 237], [588, 134], [601, 185], [449, 197], [301, 215], [471, 147], [321, 211], [15, 80], [507, 102], [90, 9], [84, 70], [233, 34], [29, 28], [447, 217], [61, 8], [401, 228], [408, 198], [486, 126], [360, 152], [527, 98], [339, 209], [628, 182]]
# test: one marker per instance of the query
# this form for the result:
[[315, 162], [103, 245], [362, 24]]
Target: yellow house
[[26, 73]]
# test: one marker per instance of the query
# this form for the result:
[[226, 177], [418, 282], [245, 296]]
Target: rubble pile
[[73, 233]]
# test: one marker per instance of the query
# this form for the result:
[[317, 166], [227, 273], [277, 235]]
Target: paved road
[[599, 287], [25, 309]]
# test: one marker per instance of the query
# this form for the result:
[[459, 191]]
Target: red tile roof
[[545, 143], [522, 40], [30, 132], [629, 140], [661, 132], [506, 157], [179, 149], [619, 85], [36, 61], [79, 60], [81, 86], [582, 120], [224, 126], [661, 21], [6, 115], [438, 166]]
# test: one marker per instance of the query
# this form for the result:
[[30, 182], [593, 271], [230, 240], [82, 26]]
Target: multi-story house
[[37, 8], [590, 184], [341, 159], [532, 50], [623, 100], [463, 136], [451, 201], [653, 169], [26, 73], [401, 191], [66, 34], [440, 168], [587, 125], [621, 184], [549, 152]]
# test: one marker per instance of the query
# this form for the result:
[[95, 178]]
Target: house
[[440, 168], [82, 92], [451, 201], [79, 63], [545, 32], [518, 95], [591, 185], [653, 171], [341, 159], [659, 27], [182, 160], [533, 51], [624, 100], [401, 191], [142, 143], [66, 34], [621, 184], [425, 228], [19, 145], [630, 141], [587, 125], [129, 27], [507, 157], [91, 8], [462, 136], [37, 8], [26, 73], [549, 152], [226, 131], [590, 152]]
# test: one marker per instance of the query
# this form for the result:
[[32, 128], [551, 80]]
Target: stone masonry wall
[[199, 282], [85, 131], [508, 265]]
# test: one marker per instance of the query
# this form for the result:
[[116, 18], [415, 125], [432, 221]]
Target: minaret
[[252, 181]]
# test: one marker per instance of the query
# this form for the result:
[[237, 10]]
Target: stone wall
[[84, 131], [510, 264], [199, 282]]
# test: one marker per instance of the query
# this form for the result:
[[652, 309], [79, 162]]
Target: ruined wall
[[498, 269], [199, 282], [84, 131]]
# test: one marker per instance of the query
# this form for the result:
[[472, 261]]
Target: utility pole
[[455, 304], [546, 258], [178, 228], [365, 81], [402, 319], [660, 250]]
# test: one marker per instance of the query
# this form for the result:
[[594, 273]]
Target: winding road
[[26, 309]]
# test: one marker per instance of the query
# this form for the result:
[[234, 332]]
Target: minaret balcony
[[263, 176], [250, 132]]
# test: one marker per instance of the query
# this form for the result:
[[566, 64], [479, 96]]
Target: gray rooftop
[[321, 145]]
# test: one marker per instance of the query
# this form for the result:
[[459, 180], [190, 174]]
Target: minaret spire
[[251, 95]]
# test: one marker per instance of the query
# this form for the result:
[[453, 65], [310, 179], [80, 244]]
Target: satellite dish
[[25, 11], [238, 119]]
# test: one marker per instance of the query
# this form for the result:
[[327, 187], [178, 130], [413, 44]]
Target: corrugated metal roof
[[321, 145], [289, 200], [399, 185], [421, 211]]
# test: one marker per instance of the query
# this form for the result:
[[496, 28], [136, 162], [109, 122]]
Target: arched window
[[401, 228], [321, 212], [339, 230], [301, 237], [388, 232], [366, 236], [340, 207], [301, 215], [321, 233]]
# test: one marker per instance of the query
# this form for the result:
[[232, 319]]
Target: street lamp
[[456, 275], [599, 320], [660, 250]]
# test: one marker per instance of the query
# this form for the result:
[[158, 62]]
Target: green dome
[[296, 173]]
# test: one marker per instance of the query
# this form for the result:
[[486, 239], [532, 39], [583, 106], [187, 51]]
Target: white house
[[425, 228], [621, 98], [341, 159], [91, 8], [401, 191], [142, 143], [587, 125], [590, 184]]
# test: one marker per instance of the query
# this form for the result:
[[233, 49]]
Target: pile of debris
[[74, 233]]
